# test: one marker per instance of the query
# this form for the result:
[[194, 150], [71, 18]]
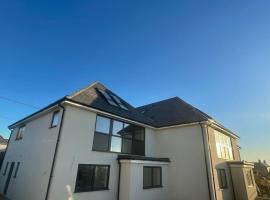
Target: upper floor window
[[222, 179], [152, 177], [224, 146], [55, 119], [116, 136], [92, 177], [249, 178], [20, 133]]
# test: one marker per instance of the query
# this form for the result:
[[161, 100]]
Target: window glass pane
[[84, 178], [156, 176], [138, 147], [139, 134], [222, 178], [103, 125], [116, 144], [127, 131], [101, 142], [117, 128], [147, 177], [55, 119], [127, 144], [101, 177]]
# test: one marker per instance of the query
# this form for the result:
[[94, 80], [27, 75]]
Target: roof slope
[[90, 96], [173, 111]]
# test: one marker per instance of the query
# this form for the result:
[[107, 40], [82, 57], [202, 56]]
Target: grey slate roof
[[89, 96], [173, 111]]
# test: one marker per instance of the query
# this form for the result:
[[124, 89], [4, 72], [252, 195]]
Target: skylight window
[[119, 102], [107, 97]]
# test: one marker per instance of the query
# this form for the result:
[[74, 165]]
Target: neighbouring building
[[3, 143], [3, 146], [261, 168], [94, 145]]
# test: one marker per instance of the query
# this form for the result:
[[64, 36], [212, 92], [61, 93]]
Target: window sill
[[52, 126], [94, 190], [152, 187], [116, 152]]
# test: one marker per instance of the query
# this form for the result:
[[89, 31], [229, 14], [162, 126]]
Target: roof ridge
[[157, 102], [204, 115], [84, 88]]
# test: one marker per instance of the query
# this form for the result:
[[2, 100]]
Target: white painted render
[[132, 179], [187, 171], [35, 154], [184, 178]]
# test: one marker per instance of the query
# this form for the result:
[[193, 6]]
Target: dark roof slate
[[90, 96], [173, 111]]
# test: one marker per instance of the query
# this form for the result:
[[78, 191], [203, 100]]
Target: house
[[3, 146], [261, 168], [94, 145], [3, 143]]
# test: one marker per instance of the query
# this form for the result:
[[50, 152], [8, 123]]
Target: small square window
[[152, 177], [55, 119], [92, 177]]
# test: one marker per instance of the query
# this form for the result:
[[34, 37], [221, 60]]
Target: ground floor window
[[222, 179], [249, 178], [92, 177], [152, 177]]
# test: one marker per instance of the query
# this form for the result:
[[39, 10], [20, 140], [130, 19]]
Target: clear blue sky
[[213, 54]]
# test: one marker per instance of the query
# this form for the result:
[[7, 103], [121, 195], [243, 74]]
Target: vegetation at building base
[[263, 183]]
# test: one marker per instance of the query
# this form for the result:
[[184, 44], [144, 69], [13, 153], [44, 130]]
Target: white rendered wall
[[131, 183], [187, 178], [35, 153], [76, 148]]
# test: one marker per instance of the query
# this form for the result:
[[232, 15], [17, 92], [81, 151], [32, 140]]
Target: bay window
[[117, 136]]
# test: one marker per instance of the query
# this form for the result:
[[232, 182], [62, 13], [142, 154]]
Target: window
[[152, 177], [107, 97], [119, 102], [92, 177], [20, 133], [116, 136], [6, 169], [16, 171], [249, 178], [222, 179], [55, 119], [112, 99], [223, 146]]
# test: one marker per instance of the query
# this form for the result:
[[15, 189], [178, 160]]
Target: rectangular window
[[92, 177], [249, 178], [20, 133], [6, 169], [116, 136], [222, 179], [223, 146], [55, 119], [152, 177], [16, 171]]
